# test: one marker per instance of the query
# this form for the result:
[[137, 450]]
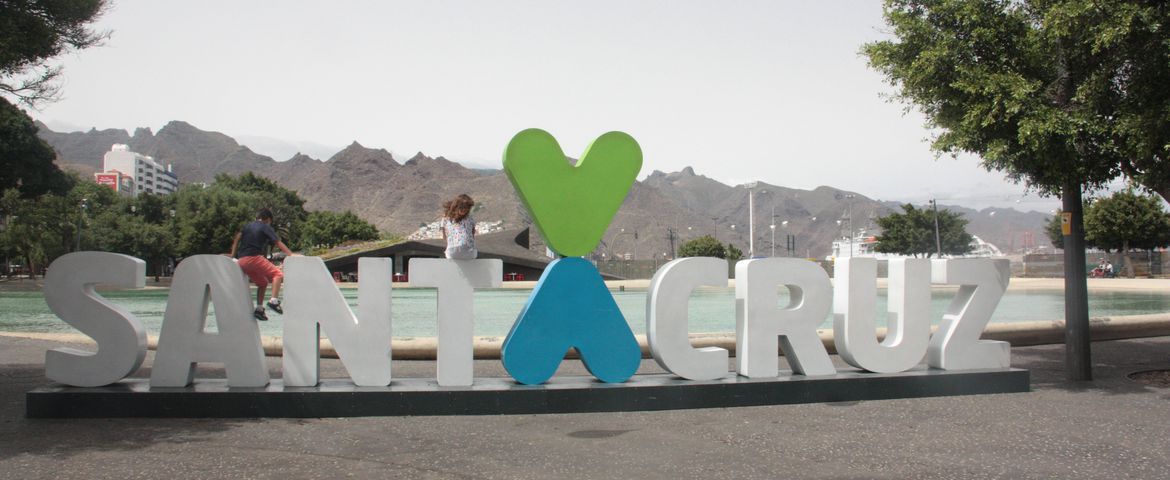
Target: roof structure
[[508, 245]]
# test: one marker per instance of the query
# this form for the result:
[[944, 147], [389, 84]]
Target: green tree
[[1124, 47], [704, 246], [1054, 232], [208, 218], [734, 253], [288, 209], [80, 209], [28, 160], [1034, 88], [34, 31], [25, 230], [38, 230], [129, 231], [326, 229], [913, 233], [154, 209], [1126, 221]]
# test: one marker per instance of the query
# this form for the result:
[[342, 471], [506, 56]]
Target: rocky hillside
[[399, 197]]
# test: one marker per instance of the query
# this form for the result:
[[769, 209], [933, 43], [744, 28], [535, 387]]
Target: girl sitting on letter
[[459, 228]]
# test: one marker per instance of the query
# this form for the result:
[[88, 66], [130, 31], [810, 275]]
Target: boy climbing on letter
[[252, 241]]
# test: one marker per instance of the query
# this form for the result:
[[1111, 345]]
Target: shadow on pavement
[[1112, 362], [64, 438]]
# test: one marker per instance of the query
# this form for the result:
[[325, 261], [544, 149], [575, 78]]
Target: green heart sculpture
[[572, 205]]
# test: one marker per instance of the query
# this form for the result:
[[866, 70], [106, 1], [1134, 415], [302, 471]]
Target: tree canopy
[[1017, 83], [912, 233], [34, 31], [327, 229], [28, 160], [1127, 220], [733, 253], [197, 219], [1062, 95], [209, 217], [704, 246]]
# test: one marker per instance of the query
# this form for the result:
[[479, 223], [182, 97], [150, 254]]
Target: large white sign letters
[[666, 318], [184, 340], [908, 321], [456, 281], [761, 325], [314, 305], [956, 345], [120, 337]]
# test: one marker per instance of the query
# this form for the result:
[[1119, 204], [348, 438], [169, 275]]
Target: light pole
[[635, 244], [850, 197], [789, 239], [671, 236], [937, 238], [773, 227], [80, 222], [808, 251], [732, 239], [751, 219], [623, 231], [751, 225]]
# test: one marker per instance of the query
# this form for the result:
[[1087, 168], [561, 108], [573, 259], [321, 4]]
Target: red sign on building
[[108, 179]]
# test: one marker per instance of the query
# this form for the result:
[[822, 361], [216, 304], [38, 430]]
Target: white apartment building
[[149, 176]]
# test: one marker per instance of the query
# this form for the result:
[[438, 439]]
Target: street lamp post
[[937, 238], [81, 222], [850, 197], [789, 239], [773, 227], [751, 220], [623, 231], [731, 239], [671, 236], [808, 251]]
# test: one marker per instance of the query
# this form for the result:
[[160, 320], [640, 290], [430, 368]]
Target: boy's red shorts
[[260, 270]]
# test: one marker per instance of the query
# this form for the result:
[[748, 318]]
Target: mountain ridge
[[398, 197]]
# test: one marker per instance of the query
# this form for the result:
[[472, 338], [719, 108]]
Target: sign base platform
[[504, 396]]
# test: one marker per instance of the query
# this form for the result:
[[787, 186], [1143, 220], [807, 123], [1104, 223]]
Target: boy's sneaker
[[275, 306], [259, 314]]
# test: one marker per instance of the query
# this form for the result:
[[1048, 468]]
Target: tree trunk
[[1078, 356], [1125, 258]]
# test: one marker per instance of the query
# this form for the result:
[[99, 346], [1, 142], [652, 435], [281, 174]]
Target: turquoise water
[[711, 309]]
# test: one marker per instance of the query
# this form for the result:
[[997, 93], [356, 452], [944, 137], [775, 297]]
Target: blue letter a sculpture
[[572, 205], [570, 308]]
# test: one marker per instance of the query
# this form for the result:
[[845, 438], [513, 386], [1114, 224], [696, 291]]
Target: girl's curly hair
[[458, 208]]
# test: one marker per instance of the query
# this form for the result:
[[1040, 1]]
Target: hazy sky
[[746, 90]]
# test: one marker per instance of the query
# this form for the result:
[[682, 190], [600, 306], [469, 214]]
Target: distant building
[[147, 175], [120, 182], [427, 231]]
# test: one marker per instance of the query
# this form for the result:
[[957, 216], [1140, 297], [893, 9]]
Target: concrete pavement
[[1111, 427]]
